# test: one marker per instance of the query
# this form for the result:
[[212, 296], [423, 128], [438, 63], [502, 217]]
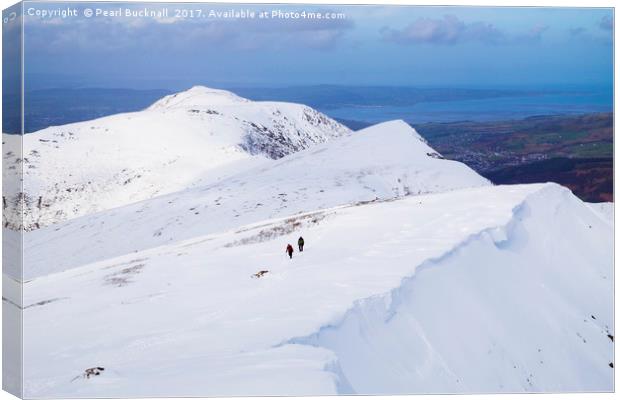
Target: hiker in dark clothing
[[289, 250], [300, 243]]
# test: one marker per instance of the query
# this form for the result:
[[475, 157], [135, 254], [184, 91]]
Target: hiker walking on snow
[[289, 250], [300, 243]]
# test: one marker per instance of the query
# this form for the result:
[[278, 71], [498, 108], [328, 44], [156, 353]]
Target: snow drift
[[510, 309]]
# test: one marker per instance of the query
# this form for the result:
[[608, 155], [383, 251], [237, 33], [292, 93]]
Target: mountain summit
[[198, 97], [183, 140]]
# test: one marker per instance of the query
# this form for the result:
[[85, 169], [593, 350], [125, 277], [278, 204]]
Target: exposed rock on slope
[[183, 140]]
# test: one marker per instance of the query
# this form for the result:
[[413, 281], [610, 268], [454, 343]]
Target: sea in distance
[[363, 104]]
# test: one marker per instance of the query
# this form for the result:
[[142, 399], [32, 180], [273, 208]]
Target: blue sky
[[404, 46]]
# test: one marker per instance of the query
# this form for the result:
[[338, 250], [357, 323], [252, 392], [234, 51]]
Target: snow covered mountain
[[493, 289], [418, 275], [386, 161], [181, 141]]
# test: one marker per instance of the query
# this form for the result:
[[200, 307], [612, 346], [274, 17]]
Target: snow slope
[[386, 161], [181, 141], [496, 288], [606, 210], [418, 275]]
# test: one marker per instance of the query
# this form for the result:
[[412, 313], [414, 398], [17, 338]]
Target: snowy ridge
[[185, 140], [385, 282], [386, 161], [374, 336]]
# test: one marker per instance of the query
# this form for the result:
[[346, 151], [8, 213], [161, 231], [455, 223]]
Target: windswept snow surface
[[146, 232], [184, 140], [490, 289], [606, 210], [387, 161]]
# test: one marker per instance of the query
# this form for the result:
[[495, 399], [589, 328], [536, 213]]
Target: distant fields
[[575, 151], [589, 178]]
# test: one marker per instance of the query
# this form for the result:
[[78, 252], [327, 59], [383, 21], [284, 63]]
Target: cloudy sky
[[413, 46]]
